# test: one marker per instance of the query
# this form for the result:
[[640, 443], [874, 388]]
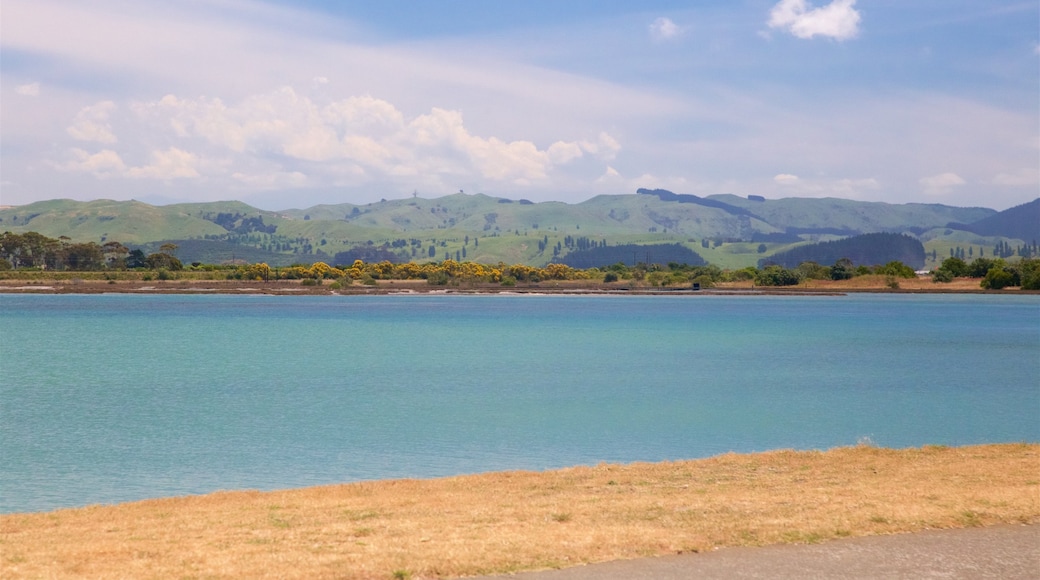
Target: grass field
[[510, 521]]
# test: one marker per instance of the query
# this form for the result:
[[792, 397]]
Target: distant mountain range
[[727, 230]]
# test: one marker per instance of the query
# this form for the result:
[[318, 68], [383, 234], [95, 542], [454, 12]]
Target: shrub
[[160, 261], [979, 267], [897, 269], [741, 275], [997, 279], [1029, 273], [776, 276], [842, 269], [813, 271], [440, 278], [609, 277], [704, 280], [956, 267], [508, 281], [942, 276]]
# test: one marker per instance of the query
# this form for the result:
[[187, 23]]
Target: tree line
[[996, 273], [32, 250]]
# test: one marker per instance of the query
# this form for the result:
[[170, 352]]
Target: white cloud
[[838, 20], [664, 29], [605, 147], [91, 123], [561, 153], [170, 164], [29, 90], [344, 142], [103, 164], [442, 133], [941, 184], [786, 179]]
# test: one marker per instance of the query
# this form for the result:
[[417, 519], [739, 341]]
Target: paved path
[[1004, 552]]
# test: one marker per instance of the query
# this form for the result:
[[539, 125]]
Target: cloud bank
[[285, 138]]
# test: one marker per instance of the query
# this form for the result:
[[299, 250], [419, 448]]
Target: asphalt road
[[1010, 552]]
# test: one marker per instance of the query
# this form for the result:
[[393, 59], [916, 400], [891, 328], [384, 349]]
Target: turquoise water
[[109, 398]]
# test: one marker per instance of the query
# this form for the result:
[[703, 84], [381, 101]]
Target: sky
[[290, 104]]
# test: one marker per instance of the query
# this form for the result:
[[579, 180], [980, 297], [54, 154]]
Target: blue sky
[[289, 104]]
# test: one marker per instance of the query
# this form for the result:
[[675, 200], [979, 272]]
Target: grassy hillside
[[724, 229], [859, 216], [129, 222]]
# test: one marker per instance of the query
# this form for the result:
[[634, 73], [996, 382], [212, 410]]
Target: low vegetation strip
[[509, 521]]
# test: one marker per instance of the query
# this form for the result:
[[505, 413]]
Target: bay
[[111, 398]]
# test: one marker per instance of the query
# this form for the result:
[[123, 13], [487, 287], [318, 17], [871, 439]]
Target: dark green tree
[[956, 267], [82, 257], [163, 261], [997, 279], [897, 269], [842, 269], [942, 276], [136, 259], [979, 267], [1029, 273], [813, 271], [776, 276]]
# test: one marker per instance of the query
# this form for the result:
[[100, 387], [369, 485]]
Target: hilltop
[[726, 230]]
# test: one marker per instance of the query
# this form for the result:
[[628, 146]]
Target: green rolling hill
[[727, 230]]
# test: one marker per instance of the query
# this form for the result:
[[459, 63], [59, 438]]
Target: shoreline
[[421, 287], [504, 522]]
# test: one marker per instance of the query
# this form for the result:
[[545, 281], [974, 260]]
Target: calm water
[[115, 397]]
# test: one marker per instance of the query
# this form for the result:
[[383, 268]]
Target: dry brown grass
[[509, 521], [873, 283], [924, 283]]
